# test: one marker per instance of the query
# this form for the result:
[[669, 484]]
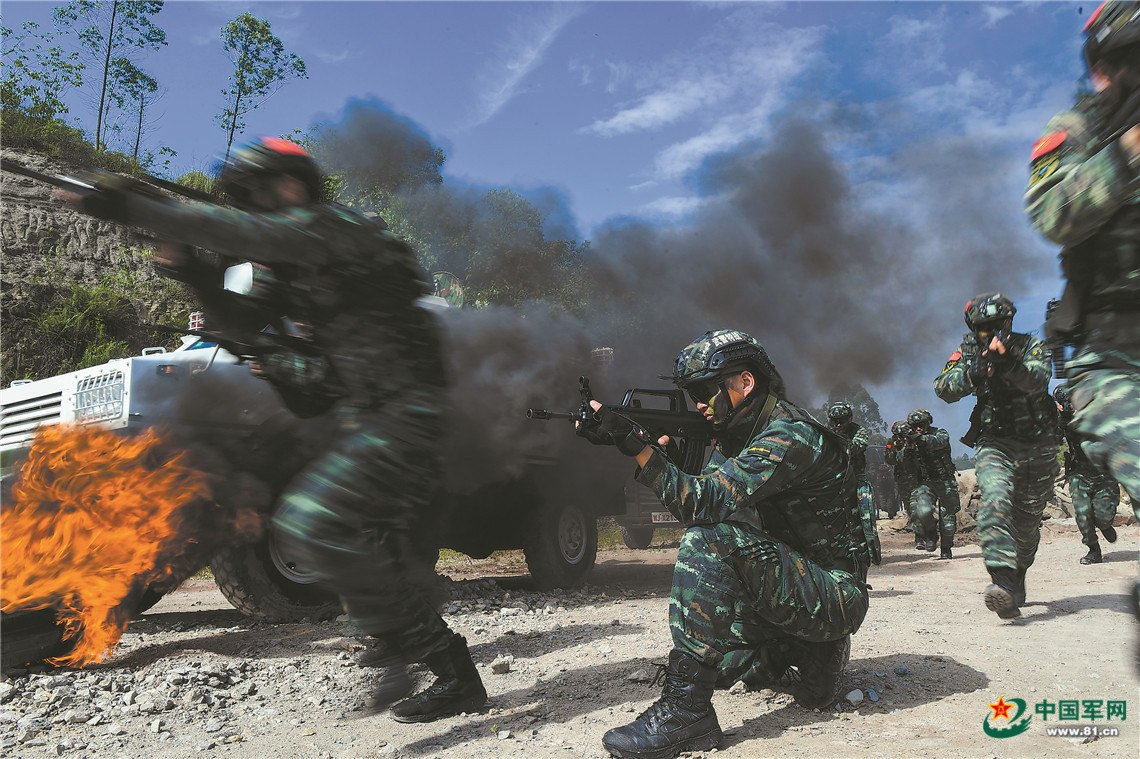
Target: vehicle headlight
[[99, 397]]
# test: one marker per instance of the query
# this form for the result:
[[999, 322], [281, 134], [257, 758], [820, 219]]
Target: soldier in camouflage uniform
[[1014, 429], [906, 475], [935, 494], [840, 416], [1084, 194], [771, 570], [1095, 496], [370, 359]]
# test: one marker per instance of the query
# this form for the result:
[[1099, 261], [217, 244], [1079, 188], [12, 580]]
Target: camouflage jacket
[[1015, 403], [1076, 462], [786, 475], [858, 440], [351, 283], [931, 454], [903, 457], [1084, 194]]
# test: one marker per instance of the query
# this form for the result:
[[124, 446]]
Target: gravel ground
[[193, 677]]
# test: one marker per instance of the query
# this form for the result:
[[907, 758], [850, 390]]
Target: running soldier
[[771, 570], [935, 497], [370, 361], [906, 476], [1095, 496], [1014, 430]]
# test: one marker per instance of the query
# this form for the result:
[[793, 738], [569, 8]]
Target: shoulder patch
[[954, 357], [1048, 144]]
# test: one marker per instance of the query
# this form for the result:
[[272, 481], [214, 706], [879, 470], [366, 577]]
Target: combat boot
[[681, 720], [1109, 533], [1019, 586], [394, 685], [1094, 555], [821, 668], [457, 688], [947, 547], [999, 596]]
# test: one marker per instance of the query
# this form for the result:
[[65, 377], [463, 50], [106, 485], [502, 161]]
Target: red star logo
[[1001, 709]]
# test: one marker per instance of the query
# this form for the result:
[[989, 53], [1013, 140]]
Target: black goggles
[[703, 391]]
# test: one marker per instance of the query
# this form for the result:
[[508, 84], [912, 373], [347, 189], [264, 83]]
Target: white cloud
[[525, 51], [724, 72], [994, 14], [331, 58], [672, 207]]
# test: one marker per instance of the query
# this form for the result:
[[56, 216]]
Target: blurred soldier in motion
[[771, 571], [1095, 496], [369, 358], [935, 497], [1084, 194], [906, 475], [840, 418], [1014, 430]]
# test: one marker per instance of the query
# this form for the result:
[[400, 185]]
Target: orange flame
[[94, 519]]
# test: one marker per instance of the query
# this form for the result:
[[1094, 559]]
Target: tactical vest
[[1006, 411], [1105, 268], [834, 535]]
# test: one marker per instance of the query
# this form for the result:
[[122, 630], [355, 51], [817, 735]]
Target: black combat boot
[[821, 668], [1109, 533], [919, 542], [681, 720], [947, 546], [1093, 556], [457, 688], [1019, 586], [999, 596]]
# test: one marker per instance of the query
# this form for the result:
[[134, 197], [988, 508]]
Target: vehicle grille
[[19, 419]]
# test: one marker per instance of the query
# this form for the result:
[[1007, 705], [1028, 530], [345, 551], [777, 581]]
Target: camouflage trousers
[[933, 508], [1095, 498], [1015, 478], [1107, 418], [347, 517], [739, 594]]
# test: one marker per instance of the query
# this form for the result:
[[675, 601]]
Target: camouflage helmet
[[1112, 27], [721, 353], [839, 413], [900, 428], [988, 308], [267, 157], [920, 417]]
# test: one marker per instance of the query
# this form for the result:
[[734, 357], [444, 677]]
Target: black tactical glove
[[1001, 362], [979, 369], [611, 428]]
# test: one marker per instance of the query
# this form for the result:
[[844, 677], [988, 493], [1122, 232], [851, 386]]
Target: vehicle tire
[[562, 547], [636, 537], [29, 637], [258, 581]]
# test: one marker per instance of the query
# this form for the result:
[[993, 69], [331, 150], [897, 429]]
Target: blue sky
[[642, 118]]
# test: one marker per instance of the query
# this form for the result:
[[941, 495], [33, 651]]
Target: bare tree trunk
[[106, 74], [138, 133]]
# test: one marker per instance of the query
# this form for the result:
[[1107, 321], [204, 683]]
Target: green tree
[[261, 67], [36, 72], [135, 93], [109, 32]]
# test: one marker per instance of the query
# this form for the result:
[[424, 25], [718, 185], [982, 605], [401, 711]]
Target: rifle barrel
[[542, 414]]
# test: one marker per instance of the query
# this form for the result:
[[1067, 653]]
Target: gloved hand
[[1001, 362], [979, 369], [611, 428]]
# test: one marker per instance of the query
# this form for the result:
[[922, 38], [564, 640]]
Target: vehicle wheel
[[258, 581], [562, 547], [29, 637], [636, 537]]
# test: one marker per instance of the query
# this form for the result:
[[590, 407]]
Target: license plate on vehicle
[[663, 516]]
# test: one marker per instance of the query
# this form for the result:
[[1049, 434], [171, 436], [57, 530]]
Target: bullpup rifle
[[689, 432]]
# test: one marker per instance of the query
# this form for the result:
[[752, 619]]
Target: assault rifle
[[99, 180], [689, 432]]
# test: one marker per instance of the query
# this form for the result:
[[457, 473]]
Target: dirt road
[[193, 677]]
